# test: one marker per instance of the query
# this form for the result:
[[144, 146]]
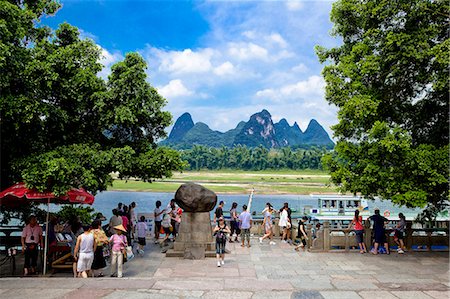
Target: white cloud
[[300, 68], [89, 35], [186, 61], [312, 88], [108, 59], [294, 5], [277, 39], [174, 89], [226, 68], [247, 51]]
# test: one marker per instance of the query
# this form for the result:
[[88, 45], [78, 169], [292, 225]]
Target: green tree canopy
[[390, 82], [62, 125]]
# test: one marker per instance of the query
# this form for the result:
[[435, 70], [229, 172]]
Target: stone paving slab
[[438, 294], [259, 272], [411, 294], [376, 295], [339, 295]]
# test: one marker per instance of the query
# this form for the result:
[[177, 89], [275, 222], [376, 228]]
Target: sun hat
[[120, 227]]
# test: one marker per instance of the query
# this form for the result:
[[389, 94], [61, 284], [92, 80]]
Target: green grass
[[275, 182]]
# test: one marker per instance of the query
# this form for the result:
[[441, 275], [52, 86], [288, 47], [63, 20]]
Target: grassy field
[[233, 181]]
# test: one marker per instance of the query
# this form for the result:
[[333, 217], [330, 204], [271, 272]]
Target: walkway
[[262, 271]]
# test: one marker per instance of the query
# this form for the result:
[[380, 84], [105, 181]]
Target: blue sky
[[221, 61]]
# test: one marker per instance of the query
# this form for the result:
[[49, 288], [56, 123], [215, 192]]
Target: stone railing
[[338, 238], [331, 238]]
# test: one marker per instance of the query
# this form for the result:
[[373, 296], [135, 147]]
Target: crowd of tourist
[[92, 246]]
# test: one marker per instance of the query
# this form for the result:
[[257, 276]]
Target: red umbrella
[[19, 194]]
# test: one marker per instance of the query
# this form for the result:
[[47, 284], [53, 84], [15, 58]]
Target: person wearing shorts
[[141, 231], [359, 231], [245, 219], [379, 231], [267, 222], [399, 233], [84, 253], [221, 231]]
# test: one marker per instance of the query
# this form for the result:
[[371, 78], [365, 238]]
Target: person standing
[[302, 234], [220, 231], [399, 233], [141, 231], [158, 212], [379, 231], [126, 223], [101, 239], [359, 231], [267, 223], [133, 218], [218, 212], [245, 219], [167, 227], [84, 253], [284, 224], [31, 239], [234, 222], [119, 243], [115, 220]]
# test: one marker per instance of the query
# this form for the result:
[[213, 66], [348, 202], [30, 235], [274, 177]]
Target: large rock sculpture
[[194, 240], [195, 198]]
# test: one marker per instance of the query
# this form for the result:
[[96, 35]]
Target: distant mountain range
[[258, 130]]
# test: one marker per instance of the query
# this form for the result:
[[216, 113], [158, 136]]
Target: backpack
[[221, 236]]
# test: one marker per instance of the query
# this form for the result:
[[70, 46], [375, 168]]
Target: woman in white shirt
[[284, 223]]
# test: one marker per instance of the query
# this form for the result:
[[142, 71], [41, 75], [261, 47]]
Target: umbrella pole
[[46, 238]]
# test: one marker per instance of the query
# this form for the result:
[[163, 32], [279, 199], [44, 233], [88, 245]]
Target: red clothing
[[358, 223], [125, 222]]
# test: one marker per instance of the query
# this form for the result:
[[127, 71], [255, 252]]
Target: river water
[[145, 201]]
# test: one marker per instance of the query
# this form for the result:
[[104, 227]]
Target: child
[[141, 229], [119, 243], [166, 226]]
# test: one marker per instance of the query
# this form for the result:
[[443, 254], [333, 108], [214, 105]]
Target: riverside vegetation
[[239, 181]]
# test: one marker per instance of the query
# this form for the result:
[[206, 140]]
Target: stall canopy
[[19, 194]]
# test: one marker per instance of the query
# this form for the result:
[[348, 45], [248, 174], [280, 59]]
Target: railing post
[[408, 235], [347, 240], [326, 236], [309, 234], [367, 234], [429, 241], [276, 229]]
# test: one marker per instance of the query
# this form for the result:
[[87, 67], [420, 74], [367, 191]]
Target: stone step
[[173, 253]]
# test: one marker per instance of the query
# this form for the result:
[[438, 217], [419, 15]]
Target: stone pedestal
[[194, 240]]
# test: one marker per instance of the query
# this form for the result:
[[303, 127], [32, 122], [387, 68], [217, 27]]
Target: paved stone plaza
[[262, 271]]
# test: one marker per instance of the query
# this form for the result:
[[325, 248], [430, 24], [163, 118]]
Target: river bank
[[274, 182]]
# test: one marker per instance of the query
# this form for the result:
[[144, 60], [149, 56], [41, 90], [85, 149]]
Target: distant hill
[[258, 130]]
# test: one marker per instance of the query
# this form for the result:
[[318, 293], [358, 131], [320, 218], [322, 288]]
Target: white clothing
[[87, 243], [141, 228], [283, 218], [160, 216], [85, 261]]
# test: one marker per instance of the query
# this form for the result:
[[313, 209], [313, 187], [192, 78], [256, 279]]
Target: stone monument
[[194, 240]]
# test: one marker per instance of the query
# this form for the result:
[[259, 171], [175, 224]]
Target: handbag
[[129, 253], [288, 225]]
